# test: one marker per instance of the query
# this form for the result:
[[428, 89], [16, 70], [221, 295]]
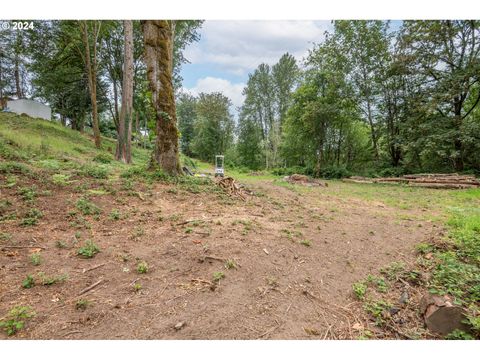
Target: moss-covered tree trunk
[[123, 152], [158, 38]]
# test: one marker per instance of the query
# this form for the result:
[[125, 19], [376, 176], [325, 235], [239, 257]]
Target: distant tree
[[213, 127], [186, 115]]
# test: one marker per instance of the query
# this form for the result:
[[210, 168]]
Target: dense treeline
[[372, 98]]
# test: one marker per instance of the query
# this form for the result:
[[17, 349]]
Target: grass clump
[[61, 179], [115, 215], [50, 280], [230, 264], [12, 167], [15, 319], [31, 217], [89, 250], [306, 242], [36, 259], [218, 275]]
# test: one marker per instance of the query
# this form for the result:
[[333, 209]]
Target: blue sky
[[229, 50]]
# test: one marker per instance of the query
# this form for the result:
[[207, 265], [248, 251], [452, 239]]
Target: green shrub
[[89, 250], [360, 290], [15, 319], [94, 171], [103, 158], [142, 267], [31, 217], [11, 167], [87, 207], [36, 259], [29, 282]]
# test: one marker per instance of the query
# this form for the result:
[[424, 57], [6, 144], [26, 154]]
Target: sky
[[229, 50]]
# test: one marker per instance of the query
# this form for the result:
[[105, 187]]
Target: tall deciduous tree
[[90, 35], [158, 38], [447, 54], [124, 140]]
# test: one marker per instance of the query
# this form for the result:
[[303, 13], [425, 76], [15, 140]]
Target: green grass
[[15, 320]]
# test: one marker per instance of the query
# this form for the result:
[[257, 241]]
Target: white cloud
[[240, 46], [212, 84]]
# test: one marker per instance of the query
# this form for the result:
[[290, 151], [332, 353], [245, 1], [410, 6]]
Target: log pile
[[229, 185], [433, 181], [304, 180]]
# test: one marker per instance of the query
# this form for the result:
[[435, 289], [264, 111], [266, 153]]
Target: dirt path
[[296, 254]]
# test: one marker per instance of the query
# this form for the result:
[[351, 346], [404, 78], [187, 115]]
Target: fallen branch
[[93, 268], [94, 285], [23, 247]]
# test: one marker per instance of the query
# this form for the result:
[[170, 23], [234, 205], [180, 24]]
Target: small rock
[[441, 316], [394, 310], [403, 298], [180, 325]]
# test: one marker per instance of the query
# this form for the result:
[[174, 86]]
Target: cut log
[[441, 316]]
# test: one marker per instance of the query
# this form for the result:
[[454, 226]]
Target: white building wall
[[29, 107]]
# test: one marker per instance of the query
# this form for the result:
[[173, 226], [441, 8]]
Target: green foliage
[[89, 250], [230, 264], [94, 171], [29, 282], [142, 267], [218, 275], [213, 127], [15, 319], [61, 179], [82, 304], [306, 242], [87, 207], [103, 158], [378, 282], [115, 215], [36, 259], [50, 280], [31, 217], [10, 167], [459, 335], [360, 290], [28, 194], [378, 309]]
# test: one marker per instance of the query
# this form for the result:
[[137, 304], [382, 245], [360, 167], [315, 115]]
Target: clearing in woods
[[186, 261]]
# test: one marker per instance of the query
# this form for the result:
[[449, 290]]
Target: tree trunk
[[17, 78], [157, 35], [91, 65], [115, 105], [123, 152]]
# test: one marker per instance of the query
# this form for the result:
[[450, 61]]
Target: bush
[[89, 250], [103, 158], [94, 171], [335, 172]]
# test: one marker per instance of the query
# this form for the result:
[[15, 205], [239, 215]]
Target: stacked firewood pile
[[434, 181], [229, 185]]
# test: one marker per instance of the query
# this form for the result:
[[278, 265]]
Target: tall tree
[[158, 38], [90, 36], [186, 114], [447, 55], [366, 45], [213, 127], [124, 140]]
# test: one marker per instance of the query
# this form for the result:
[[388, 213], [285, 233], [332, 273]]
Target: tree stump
[[441, 316]]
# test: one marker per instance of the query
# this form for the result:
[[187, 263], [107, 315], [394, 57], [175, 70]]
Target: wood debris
[[304, 180], [433, 181], [229, 185]]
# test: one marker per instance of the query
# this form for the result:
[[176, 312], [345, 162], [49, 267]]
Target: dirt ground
[[296, 255]]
